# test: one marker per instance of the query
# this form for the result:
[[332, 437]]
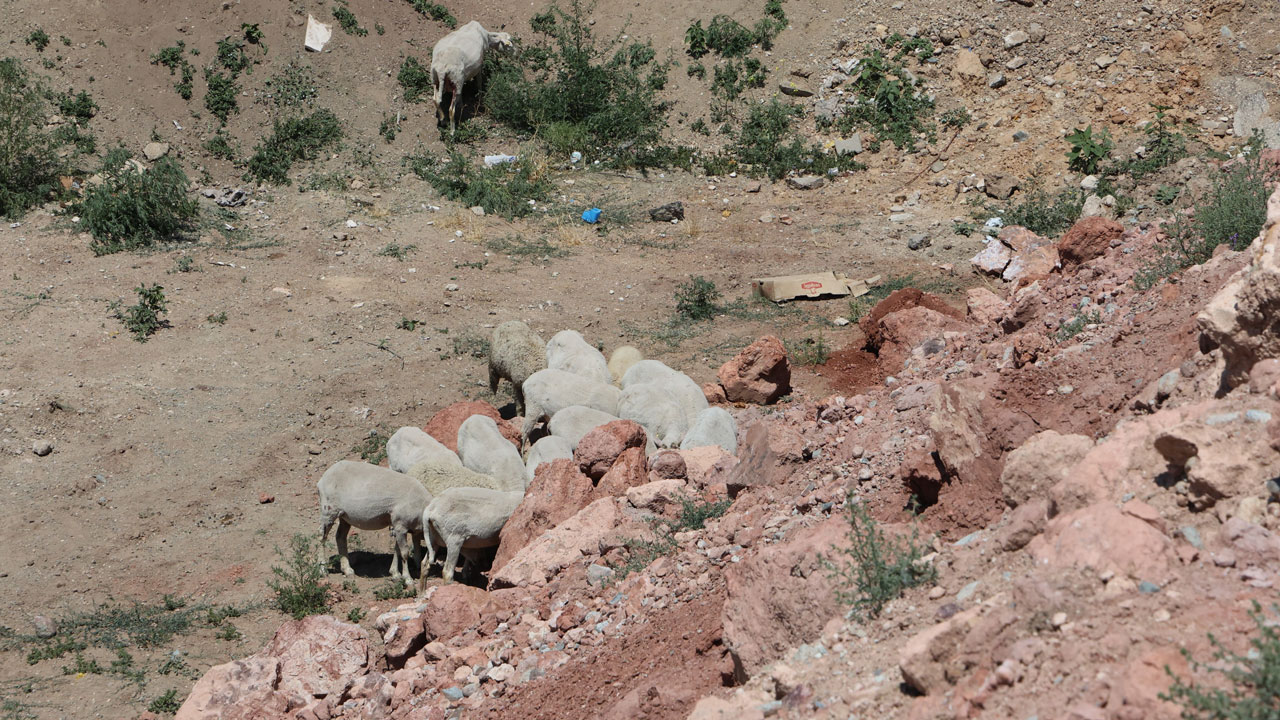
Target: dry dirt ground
[[163, 452]]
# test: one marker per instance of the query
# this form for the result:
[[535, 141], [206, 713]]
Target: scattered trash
[[591, 215], [491, 160], [15, 225], [352, 223], [575, 157], [176, 125], [667, 213], [812, 285], [317, 34]]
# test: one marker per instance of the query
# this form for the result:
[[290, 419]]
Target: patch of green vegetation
[[1075, 325], [39, 38], [166, 704], [393, 589], [142, 318], [918, 47], [293, 88], [82, 666], [531, 248], [229, 632], [733, 78], [219, 146], [694, 514], [467, 132], [184, 264], [173, 58], [875, 569], [389, 128], [116, 627], [408, 324], [1167, 194], [1040, 212], [220, 94], [1087, 151], [766, 144], [231, 55], [80, 106], [1250, 681], [15, 710], [299, 585], [436, 12], [396, 250], [356, 614], [253, 34], [29, 162], [809, 350], [292, 140], [347, 21], [504, 189], [1164, 146], [697, 299], [415, 79], [218, 318], [373, 448], [575, 93], [134, 209], [469, 343], [889, 101]]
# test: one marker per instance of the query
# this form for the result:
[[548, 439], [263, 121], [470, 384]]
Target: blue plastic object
[[591, 215]]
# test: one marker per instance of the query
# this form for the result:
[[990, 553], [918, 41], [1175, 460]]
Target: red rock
[[759, 374], [714, 393], [992, 259], [707, 465], [668, 464], [571, 542], [1102, 538], [444, 425], [1040, 463], [1143, 680], [629, 470], [238, 690], [402, 639], [1031, 264], [1025, 522], [983, 306], [559, 489], [599, 448], [658, 496], [757, 463], [780, 597], [317, 653], [571, 616], [1087, 239], [452, 609], [1020, 239]]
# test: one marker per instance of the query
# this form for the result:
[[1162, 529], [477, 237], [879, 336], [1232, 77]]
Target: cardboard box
[[812, 285]]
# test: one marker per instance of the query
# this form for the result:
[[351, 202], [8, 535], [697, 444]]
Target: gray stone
[[1015, 38], [1016, 63], [1090, 182], [938, 167], [967, 591], [1192, 536], [1252, 113], [1094, 207], [996, 80], [42, 448], [453, 693], [918, 241], [1147, 588], [1104, 61], [1020, 136], [667, 213], [45, 627], [794, 88], [153, 151], [851, 145], [598, 574], [1000, 187], [806, 182], [1037, 32], [901, 217]]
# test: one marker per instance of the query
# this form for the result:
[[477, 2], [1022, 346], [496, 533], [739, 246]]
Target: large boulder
[[238, 690], [443, 426], [1243, 318], [759, 374], [629, 470], [1222, 456], [1088, 239], [1040, 463], [573, 541], [1105, 538], [451, 609], [781, 597], [558, 491], [599, 448]]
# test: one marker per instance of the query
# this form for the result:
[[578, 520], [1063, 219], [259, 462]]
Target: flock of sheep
[[461, 500]]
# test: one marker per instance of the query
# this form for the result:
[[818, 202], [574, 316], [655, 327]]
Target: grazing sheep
[[713, 426], [457, 58], [621, 361], [681, 386], [483, 449], [436, 477], [465, 519], [574, 422], [371, 498], [545, 450], [410, 445], [569, 352], [657, 410], [515, 353], [549, 391]]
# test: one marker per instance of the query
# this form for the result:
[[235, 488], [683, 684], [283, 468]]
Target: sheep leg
[[402, 550], [340, 537], [326, 524], [395, 556], [493, 379], [518, 392], [453, 108], [451, 559]]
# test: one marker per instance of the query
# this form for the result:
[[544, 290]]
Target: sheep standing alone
[[457, 58], [483, 449], [568, 351], [357, 494], [621, 360], [549, 391], [515, 353], [410, 445], [465, 519]]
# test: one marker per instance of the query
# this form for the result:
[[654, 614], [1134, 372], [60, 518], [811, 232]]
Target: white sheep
[[687, 392], [657, 410], [713, 426], [549, 391], [575, 421], [465, 519], [457, 58], [568, 351], [515, 353], [545, 450], [436, 477], [410, 445], [482, 448], [621, 360], [369, 497]]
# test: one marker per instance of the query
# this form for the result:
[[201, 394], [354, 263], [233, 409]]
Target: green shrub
[[134, 209], [172, 58], [397, 251], [1252, 679], [355, 614], [694, 514], [728, 38], [918, 47], [79, 107], [504, 189], [292, 140], [39, 38], [167, 704], [809, 351], [415, 78], [293, 88], [388, 129], [696, 69], [695, 39], [299, 585], [218, 318], [697, 299], [1072, 327], [347, 21], [253, 34], [875, 568], [231, 55], [767, 145], [1042, 213], [29, 164], [732, 78], [1164, 145], [436, 12], [220, 94], [219, 146], [889, 101], [373, 448], [1087, 151], [1166, 194], [393, 589], [575, 93], [143, 318]]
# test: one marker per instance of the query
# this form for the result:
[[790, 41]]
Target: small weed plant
[[694, 514], [436, 12], [397, 251], [875, 569], [1075, 325], [407, 324], [415, 80], [219, 146], [809, 351], [697, 299], [356, 614], [218, 318], [890, 101], [521, 247], [469, 343], [347, 21], [143, 318], [184, 264], [373, 448], [174, 58], [1164, 145], [293, 88], [392, 589], [134, 209], [79, 106], [29, 162], [292, 140], [298, 584], [1087, 150], [504, 189], [39, 39], [767, 145], [166, 704], [220, 94], [1041, 212], [232, 56], [1250, 687]]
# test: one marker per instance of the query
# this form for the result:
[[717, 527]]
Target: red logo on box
[[811, 285]]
